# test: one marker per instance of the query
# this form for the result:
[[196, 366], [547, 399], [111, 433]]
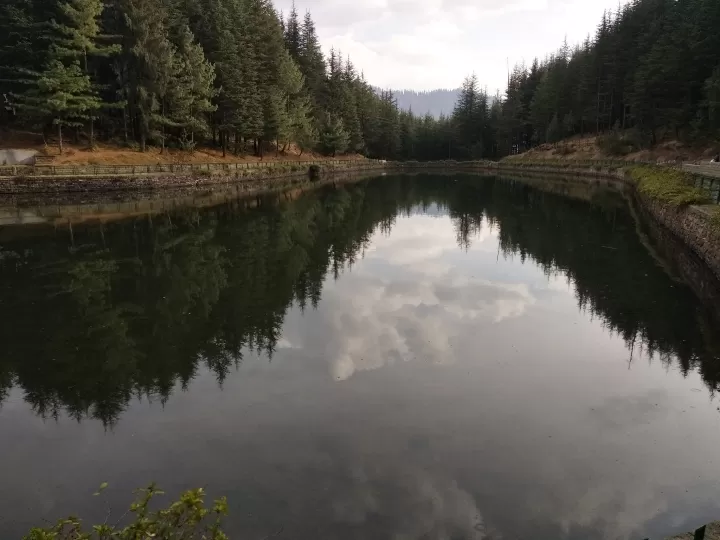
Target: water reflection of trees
[[95, 319], [615, 278]]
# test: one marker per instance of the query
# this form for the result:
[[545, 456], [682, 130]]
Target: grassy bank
[[666, 185]]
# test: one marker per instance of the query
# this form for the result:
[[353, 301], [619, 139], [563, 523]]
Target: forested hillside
[[653, 67], [235, 75], [181, 73]]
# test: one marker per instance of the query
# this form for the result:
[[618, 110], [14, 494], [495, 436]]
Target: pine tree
[[335, 139], [151, 66], [568, 124], [23, 46], [554, 131], [312, 63], [79, 31], [349, 83], [469, 118], [63, 95], [303, 130], [387, 141], [293, 41], [193, 90], [712, 92]]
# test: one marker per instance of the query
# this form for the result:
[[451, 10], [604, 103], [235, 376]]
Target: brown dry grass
[[586, 148], [107, 154]]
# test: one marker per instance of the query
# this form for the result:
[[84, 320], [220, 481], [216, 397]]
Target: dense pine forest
[[238, 75]]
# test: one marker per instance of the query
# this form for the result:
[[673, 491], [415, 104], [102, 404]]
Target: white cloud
[[426, 44]]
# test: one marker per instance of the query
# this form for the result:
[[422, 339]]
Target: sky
[[429, 44]]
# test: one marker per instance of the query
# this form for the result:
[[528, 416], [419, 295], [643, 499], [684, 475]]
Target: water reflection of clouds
[[421, 503], [414, 310], [502, 437]]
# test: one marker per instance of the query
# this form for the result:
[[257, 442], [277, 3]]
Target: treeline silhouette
[[132, 308]]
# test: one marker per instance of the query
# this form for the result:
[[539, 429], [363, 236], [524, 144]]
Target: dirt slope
[[586, 148], [108, 154]]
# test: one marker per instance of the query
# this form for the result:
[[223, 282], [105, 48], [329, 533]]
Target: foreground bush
[[186, 518]]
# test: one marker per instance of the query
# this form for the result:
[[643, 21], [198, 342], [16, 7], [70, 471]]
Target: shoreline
[[180, 178], [697, 226]]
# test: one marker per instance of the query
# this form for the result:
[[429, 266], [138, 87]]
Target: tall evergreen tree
[[61, 94], [293, 41], [192, 91], [335, 139]]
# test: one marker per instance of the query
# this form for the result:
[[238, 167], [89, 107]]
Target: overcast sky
[[428, 44]]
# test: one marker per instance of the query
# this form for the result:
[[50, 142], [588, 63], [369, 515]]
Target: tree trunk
[[60, 140], [277, 148], [223, 141], [162, 134], [624, 115], [92, 133], [237, 144], [142, 142]]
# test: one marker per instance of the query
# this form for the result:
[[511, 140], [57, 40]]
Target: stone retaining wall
[[174, 169], [692, 224], [148, 182]]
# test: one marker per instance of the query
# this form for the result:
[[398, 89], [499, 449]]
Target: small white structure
[[16, 156]]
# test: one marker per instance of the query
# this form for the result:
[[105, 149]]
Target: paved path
[[706, 169], [711, 533]]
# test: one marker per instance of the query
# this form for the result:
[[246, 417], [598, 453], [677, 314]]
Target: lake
[[401, 357]]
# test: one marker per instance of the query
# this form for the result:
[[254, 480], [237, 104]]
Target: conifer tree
[[151, 65], [193, 90], [79, 39], [312, 63], [61, 94], [293, 41], [712, 91], [335, 139]]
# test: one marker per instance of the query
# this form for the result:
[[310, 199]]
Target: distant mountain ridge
[[440, 102], [434, 102]]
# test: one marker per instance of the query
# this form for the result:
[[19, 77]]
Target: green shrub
[[669, 186], [636, 139], [186, 518], [613, 144], [715, 219], [314, 172]]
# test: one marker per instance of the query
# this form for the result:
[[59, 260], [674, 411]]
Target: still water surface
[[403, 357]]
